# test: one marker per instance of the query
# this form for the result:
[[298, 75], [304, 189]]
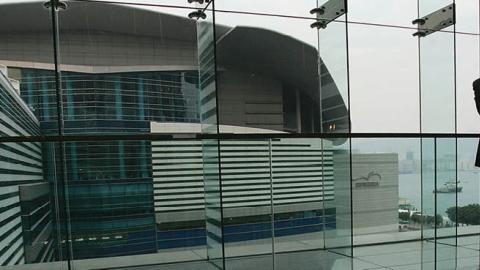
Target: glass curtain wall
[[437, 86], [216, 134]]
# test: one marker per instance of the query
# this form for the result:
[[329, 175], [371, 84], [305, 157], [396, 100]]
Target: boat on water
[[449, 187]]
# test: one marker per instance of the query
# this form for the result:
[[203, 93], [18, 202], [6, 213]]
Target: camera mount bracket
[[435, 21], [328, 12]]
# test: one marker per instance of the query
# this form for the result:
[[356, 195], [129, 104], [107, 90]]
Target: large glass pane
[[437, 81], [439, 193], [31, 216], [339, 236], [28, 202], [378, 55], [178, 190], [427, 6], [467, 60], [151, 3], [161, 207], [247, 202], [427, 219], [335, 118], [334, 86], [466, 215], [211, 149], [30, 231], [386, 190], [438, 115], [302, 175], [131, 70], [213, 189], [446, 192], [467, 16], [387, 12], [165, 188], [269, 7], [468, 64], [271, 84], [110, 192], [124, 67], [428, 187]]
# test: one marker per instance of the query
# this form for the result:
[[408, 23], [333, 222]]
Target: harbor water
[[410, 188]]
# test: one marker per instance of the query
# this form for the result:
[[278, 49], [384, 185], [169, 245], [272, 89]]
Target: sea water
[[410, 187]]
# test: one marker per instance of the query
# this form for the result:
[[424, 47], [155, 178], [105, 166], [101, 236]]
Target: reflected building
[[299, 179], [409, 165], [123, 78], [375, 193], [25, 210]]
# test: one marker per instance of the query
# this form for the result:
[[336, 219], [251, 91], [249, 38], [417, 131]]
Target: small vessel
[[449, 187]]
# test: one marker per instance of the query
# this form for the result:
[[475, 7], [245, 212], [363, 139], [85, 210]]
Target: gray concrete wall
[[91, 48], [375, 205], [375, 199], [250, 100]]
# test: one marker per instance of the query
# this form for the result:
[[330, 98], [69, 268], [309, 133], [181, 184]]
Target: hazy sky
[[384, 75]]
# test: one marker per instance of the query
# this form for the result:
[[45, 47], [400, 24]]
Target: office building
[[26, 235], [114, 185]]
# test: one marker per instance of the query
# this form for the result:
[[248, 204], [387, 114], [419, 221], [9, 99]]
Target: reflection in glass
[[438, 115], [211, 149], [468, 70], [273, 7], [334, 90], [447, 188], [28, 229], [302, 176], [387, 12], [386, 183], [31, 215], [377, 56], [247, 200], [261, 86], [437, 83], [468, 227], [148, 71]]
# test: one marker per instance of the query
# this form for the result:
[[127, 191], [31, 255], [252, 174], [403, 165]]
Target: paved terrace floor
[[416, 255], [419, 255]]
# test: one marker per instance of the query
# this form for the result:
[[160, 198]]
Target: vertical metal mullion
[[272, 210], [435, 200], [478, 41], [456, 122], [60, 130], [324, 225], [349, 126], [218, 129], [351, 195], [320, 112], [420, 123], [319, 74], [51, 150]]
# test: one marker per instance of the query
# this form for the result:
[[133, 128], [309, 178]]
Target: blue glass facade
[[110, 184], [110, 190], [125, 97]]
